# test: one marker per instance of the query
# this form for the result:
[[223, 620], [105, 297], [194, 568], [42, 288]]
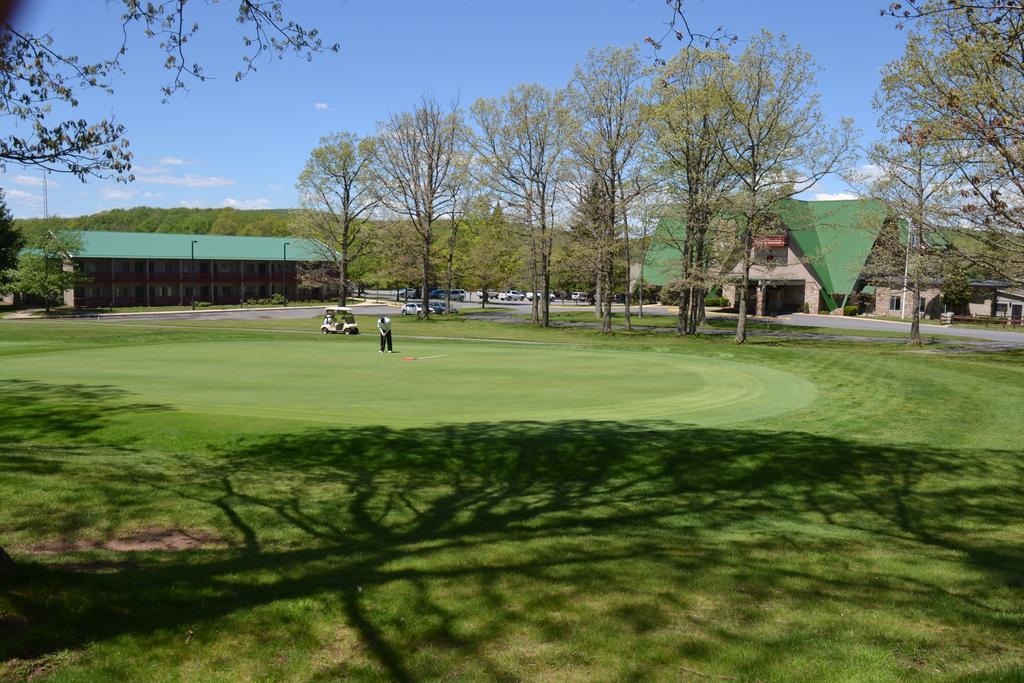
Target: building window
[[922, 304], [895, 303], [1001, 310]]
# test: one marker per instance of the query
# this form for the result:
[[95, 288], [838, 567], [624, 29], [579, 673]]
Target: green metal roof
[[663, 261], [835, 237], [161, 245]]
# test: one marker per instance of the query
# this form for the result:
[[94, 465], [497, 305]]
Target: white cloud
[[33, 181], [187, 180], [322, 106], [260, 203], [194, 204], [870, 171], [833, 196], [152, 195], [23, 197], [116, 193], [174, 161], [149, 169]]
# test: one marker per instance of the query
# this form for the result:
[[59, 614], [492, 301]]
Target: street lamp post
[[192, 268], [284, 263]]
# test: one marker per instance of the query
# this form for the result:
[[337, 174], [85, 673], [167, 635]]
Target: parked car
[[458, 295], [530, 295], [408, 293], [436, 294], [491, 294], [511, 295], [412, 308], [579, 296], [438, 308]]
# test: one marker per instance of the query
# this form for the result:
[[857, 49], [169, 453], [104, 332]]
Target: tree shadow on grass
[[486, 530], [35, 411]]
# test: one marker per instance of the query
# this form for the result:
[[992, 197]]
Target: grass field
[[251, 500]]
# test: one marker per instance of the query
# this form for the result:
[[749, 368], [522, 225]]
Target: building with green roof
[[164, 269], [813, 263]]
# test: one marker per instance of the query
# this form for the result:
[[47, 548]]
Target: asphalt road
[[867, 324], [390, 309]]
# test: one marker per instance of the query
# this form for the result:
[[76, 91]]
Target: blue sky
[[243, 144]]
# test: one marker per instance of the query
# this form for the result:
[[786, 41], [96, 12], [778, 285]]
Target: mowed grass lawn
[[251, 500]]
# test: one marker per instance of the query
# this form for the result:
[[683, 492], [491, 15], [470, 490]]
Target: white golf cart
[[339, 320]]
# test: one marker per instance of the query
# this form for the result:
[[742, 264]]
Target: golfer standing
[[384, 327]]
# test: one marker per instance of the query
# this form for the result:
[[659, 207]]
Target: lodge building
[[814, 262], [161, 269]]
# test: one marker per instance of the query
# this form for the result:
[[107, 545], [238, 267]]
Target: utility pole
[[284, 263], [192, 268]]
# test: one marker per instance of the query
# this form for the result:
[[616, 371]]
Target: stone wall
[[933, 302]]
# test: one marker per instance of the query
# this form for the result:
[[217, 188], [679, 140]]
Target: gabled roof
[[835, 238], [161, 245]]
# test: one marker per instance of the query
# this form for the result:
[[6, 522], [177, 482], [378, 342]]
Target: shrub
[[851, 310], [278, 299], [807, 307], [650, 292], [670, 294], [716, 301], [202, 304]]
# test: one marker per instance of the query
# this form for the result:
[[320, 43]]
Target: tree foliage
[[420, 173], [956, 287], [520, 150], [336, 200], [963, 75], [222, 221], [40, 82], [776, 144], [608, 94], [10, 242], [44, 266], [688, 119]]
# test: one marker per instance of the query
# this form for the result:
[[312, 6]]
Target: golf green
[[345, 381]]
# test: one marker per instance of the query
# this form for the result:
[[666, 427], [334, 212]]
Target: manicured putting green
[[345, 381]]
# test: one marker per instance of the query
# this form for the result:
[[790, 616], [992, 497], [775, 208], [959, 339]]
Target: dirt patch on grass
[[34, 669], [142, 540]]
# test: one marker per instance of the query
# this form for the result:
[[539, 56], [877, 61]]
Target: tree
[[44, 266], [650, 209], [956, 288], [964, 80], [39, 79], [608, 94], [777, 143], [688, 118], [913, 179], [520, 147], [419, 172], [492, 251], [336, 200], [10, 242], [391, 259], [913, 182]]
